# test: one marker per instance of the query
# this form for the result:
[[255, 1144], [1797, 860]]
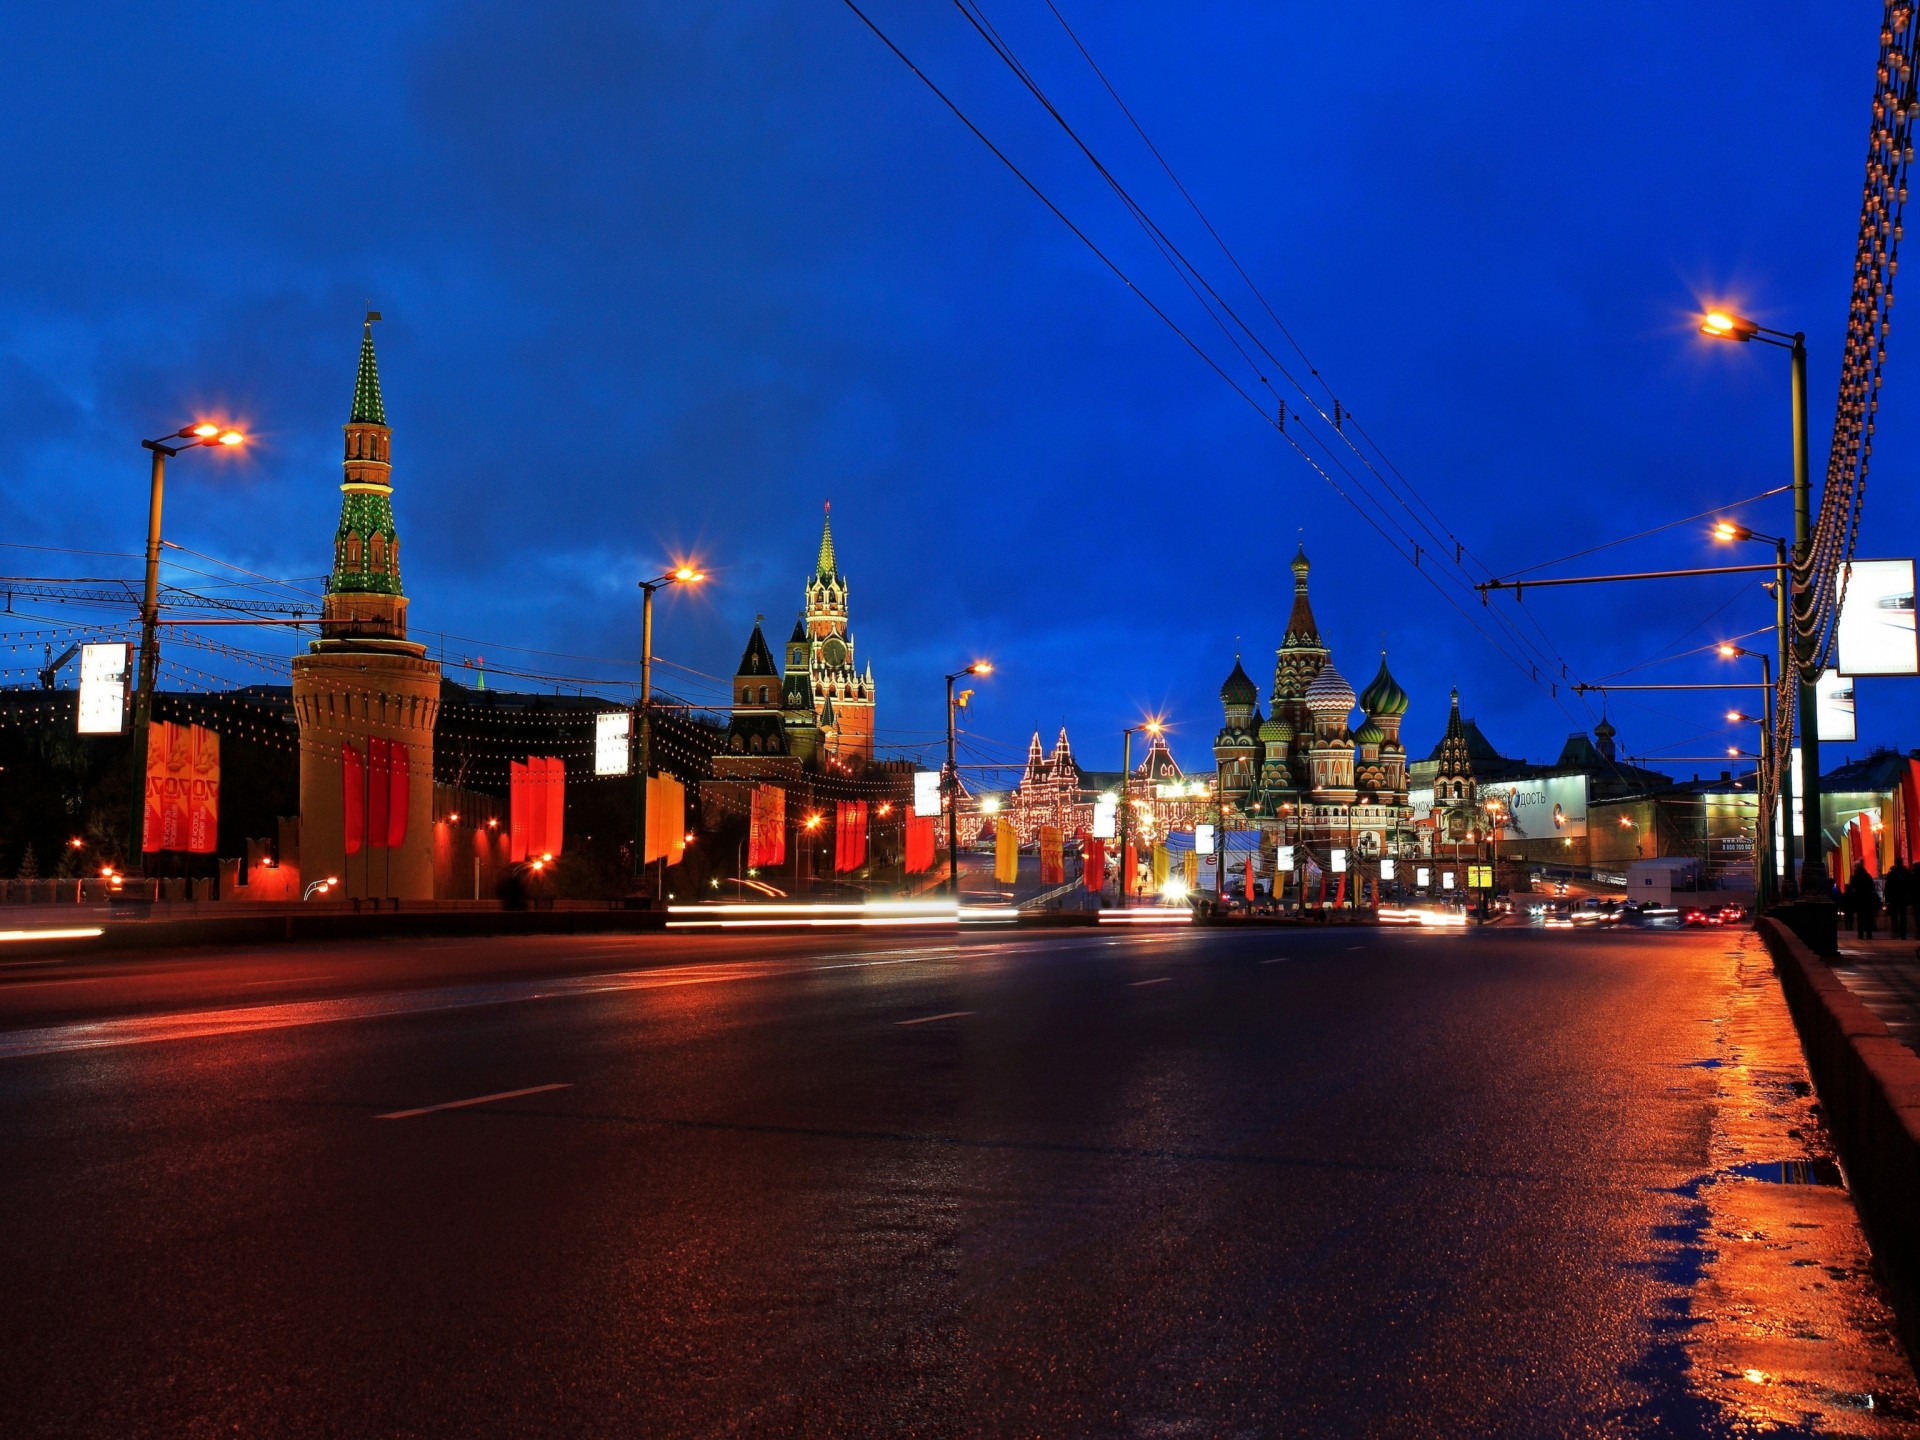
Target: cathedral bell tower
[[365, 696]]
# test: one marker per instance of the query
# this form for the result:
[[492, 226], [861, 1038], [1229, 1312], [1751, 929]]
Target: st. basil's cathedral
[[1300, 772]]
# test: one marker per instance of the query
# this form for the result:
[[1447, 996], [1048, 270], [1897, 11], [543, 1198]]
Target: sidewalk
[[1885, 975]]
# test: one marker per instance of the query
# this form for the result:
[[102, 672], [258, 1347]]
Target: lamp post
[[1720, 325], [952, 781], [163, 449], [1150, 727], [643, 723], [1726, 532], [1763, 876]]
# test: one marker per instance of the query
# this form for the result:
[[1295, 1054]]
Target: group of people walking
[[1862, 900]]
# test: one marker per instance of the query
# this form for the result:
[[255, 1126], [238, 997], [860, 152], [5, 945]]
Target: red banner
[[353, 797], [379, 789], [767, 827], [1129, 870], [1249, 879], [921, 844], [1053, 865], [849, 835], [400, 794], [203, 792], [1910, 806], [181, 810], [516, 811], [1095, 868]]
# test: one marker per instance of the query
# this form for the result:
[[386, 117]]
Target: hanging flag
[[767, 829], [555, 808], [1190, 868], [1340, 894], [379, 789], [1094, 863], [1910, 794], [400, 794], [1162, 863], [1249, 879], [353, 784], [517, 806], [1053, 864], [667, 820], [203, 792], [849, 835], [921, 844], [1130, 869], [1006, 853]]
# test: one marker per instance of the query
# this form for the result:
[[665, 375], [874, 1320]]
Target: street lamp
[[1727, 532], [1723, 325], [188, 437], [643, 728], [1150, 727], [952, 782], [1763, 837]]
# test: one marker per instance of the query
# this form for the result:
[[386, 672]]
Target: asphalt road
[[1189, 1183]]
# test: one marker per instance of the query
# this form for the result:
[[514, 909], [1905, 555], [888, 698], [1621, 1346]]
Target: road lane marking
[[476, 1100], [1135, 984], [290, 980], [929, 1019], [1356, 947], [1277, 960]]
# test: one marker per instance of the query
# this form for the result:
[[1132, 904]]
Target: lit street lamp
[[1763, 820], [163, 449], [1151, 727], [643, 728], [1727, 532], [1722, 325], [952, 782]]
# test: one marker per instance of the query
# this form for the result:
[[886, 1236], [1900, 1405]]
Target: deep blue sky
[[663, 278]]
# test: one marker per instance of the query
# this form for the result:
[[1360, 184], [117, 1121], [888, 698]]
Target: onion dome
[[1239, 689], [1384, 696], [1329, 694], [1275, 732], [1300, 567], [1370, 734]]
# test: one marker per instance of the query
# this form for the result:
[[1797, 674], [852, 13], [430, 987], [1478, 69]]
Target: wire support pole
[[1519, 585]]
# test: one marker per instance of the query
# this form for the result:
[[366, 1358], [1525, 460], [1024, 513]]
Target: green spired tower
[[365, 696]]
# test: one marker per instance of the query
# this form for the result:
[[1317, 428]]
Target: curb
[[1869, 1087]]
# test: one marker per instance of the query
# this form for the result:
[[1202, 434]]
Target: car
[[1697, 919]]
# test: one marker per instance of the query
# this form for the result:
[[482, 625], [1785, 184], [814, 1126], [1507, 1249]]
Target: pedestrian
[[1897, 884], [1863, 903]]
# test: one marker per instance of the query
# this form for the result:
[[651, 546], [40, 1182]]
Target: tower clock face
[[834, 652]]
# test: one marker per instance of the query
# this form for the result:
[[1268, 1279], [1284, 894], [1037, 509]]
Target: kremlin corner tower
[[365, 696]]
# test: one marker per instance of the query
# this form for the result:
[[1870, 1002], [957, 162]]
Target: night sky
[[662, 279]]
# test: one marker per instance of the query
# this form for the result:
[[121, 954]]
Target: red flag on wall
[[203, 792], [555, 809], [516, 811], [353, 810], [379, 789], [1249, 879], [767, 827], [400, 793]]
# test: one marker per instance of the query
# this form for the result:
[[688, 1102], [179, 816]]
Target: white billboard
[[1421, 798], [926, 792], [1106, 815], [1553, 808], [1833, 706], [103, 688], [612, 735], [1875, 633]]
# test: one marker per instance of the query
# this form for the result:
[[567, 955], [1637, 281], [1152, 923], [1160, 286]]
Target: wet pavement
[[1885, 974], [1284, 1182]]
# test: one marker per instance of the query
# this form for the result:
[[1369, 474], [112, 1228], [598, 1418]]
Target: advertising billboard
[[1421, 798], [1551, 808], [612, 730], [1106, 817], [103, 688], [926, 792], [1202, 837], [1875, 633], [1833, 706]]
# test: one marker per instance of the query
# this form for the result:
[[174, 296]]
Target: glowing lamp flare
[[1720, 325]]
